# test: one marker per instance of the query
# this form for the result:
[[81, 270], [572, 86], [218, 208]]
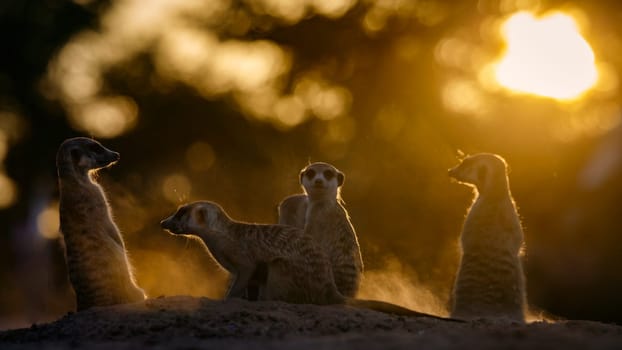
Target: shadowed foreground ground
[[187, 322]]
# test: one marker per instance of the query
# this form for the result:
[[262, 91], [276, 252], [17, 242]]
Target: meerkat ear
[[460, 155], [340, 178], [200, 216]]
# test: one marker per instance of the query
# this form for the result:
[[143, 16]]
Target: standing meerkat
[[490, 280], [328, 222], [99, 270], [298, 271]]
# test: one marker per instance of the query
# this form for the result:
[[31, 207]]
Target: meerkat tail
[[389, 308]]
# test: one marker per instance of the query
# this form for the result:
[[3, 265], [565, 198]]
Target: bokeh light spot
[[375, 20], [290, 11], [546, 56], [290, 110], [184, 52], [331, 102], [332, 8], [106, 117], [4, 145], [48, 221], [176, 188], [8, 191], [200, 156], [462, 96], [12, 125], [250, 65]]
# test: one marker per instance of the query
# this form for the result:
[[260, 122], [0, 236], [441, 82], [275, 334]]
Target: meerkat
[[293, 210], [99, 270], [328, 222], [490, 280], [298, 271]]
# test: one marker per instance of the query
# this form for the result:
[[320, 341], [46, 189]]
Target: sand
[[184, 322]]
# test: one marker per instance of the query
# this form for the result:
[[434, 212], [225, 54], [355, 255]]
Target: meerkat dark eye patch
[[328, 174], [93, 148], [310, 173], [181, 212], [75, 155], [467, 163]]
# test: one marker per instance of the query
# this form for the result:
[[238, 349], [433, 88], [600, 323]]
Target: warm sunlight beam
[[546, 56]]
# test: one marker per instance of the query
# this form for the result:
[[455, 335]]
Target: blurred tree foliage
[[227, 100]]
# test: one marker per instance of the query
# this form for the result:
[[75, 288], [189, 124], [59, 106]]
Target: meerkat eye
[[310, 173], [93, 148], [328, 174], [181, 212], [467, 163], [76, 154]]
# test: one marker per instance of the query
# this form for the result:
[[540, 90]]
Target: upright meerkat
[[327, 221], [98, 267], [298, 271], [490, 280]]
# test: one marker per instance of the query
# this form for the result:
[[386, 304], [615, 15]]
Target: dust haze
[[397, 283]]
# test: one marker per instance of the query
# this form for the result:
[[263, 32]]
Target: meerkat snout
[[452, 172], [107, 158], [114, 156], [173, 223], [167, 224]]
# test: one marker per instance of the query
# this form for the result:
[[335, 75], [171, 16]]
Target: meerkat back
[[98, 267], [327, 222], [490, 280]]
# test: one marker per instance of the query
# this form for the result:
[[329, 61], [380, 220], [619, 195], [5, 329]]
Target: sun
[[546, 56]]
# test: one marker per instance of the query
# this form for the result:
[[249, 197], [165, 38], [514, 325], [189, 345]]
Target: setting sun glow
[[546, 56]]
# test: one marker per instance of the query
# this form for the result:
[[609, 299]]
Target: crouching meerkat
[[297, 269], [328, 222], [99, 270], [490, 280]]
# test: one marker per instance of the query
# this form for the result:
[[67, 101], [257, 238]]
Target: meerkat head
[[196, 217], [321, 180], [83, 155], [483, 170]]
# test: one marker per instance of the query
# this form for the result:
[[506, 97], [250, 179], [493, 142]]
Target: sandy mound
[[187, 322]]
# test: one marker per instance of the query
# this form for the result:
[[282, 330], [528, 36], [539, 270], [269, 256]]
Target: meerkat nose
[[165, 224], [116, 156]]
